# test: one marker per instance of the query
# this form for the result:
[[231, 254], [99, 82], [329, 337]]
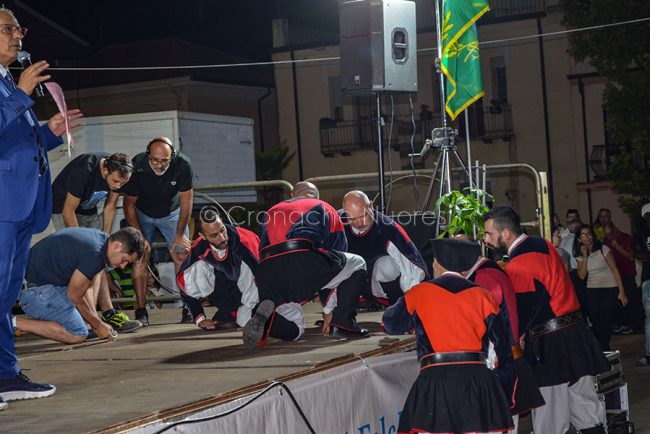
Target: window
[[499, 81], [336, 102]]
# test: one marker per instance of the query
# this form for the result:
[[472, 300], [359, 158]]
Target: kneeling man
[[394, 263], [220, 267], [64, 281]]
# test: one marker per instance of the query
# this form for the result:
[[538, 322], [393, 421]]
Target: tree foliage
[[270, 164], [622, 55]]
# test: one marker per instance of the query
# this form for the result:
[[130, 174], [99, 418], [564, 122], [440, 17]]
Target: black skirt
[[527, 395], [456, 399], [565, 356]]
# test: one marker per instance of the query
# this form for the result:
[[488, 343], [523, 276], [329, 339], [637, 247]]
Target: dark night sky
[[240, 27]]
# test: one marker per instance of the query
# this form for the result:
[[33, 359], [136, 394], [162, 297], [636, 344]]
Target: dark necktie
[[42, 160]]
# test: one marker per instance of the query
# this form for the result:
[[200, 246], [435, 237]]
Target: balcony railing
[[488, 123], [345, 137], [500, 11], [601, 159], [511, 10]]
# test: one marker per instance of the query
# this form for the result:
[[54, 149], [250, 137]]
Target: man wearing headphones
[[159, 196], [82, 184]]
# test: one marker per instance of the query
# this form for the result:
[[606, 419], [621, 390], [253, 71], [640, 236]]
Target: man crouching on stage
[[220, 266], [303, 254], [455, 323]]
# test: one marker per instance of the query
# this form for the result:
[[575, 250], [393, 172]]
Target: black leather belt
[[556, 324], [286, 246], [455, 357]]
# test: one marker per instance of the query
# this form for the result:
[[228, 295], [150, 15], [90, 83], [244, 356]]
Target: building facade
[[540, 108]]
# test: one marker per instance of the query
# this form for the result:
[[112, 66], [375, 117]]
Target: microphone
[[25, 60]]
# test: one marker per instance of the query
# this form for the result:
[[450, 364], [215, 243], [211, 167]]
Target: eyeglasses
[[164, 161], [9, 29]]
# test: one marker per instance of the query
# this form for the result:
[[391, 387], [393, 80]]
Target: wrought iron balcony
[[488, 123], [500, 11], [512, 10], [344, 137], [601, 159]]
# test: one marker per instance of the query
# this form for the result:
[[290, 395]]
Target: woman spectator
[[604, 285], [604, 216]]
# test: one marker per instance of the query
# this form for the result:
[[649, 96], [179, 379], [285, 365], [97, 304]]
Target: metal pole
[[380, 159], [469, 149], [484, 180], [366, 175], [441, 76], [476, 176]]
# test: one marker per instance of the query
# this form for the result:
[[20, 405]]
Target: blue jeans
[[166, 225], [645, 291], [50, 302]]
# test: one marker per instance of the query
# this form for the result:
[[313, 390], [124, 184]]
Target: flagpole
[[441, 76]]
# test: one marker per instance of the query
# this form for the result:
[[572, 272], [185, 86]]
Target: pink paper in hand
[[57, 93]]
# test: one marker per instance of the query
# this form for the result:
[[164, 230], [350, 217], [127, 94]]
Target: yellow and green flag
[[460, 58]]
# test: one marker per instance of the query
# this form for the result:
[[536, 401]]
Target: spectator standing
[[159, 196], [82, 184], [604, 216], [630, 317], [604, 285]]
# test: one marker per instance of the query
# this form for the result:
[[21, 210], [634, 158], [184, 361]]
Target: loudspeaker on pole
[[378, 40]]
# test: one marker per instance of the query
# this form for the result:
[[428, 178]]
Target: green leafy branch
[[465, 211]]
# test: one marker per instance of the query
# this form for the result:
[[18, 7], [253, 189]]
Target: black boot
[[186, 317], [393, 290], [344, 315], [256, 328]]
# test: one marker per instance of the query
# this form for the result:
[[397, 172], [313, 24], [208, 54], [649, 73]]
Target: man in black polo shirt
[[64, 278], [159, 196], [83, 183]]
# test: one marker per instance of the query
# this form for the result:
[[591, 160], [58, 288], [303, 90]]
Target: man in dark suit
[[25, 193]]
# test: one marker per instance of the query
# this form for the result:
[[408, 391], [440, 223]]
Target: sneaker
[[22, 387], [187, 317], [254, 330], [3, 404], [120, 321], [643, 361], [142, 316]]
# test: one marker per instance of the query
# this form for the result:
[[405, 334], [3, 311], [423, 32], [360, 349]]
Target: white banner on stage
[[363, 397]]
